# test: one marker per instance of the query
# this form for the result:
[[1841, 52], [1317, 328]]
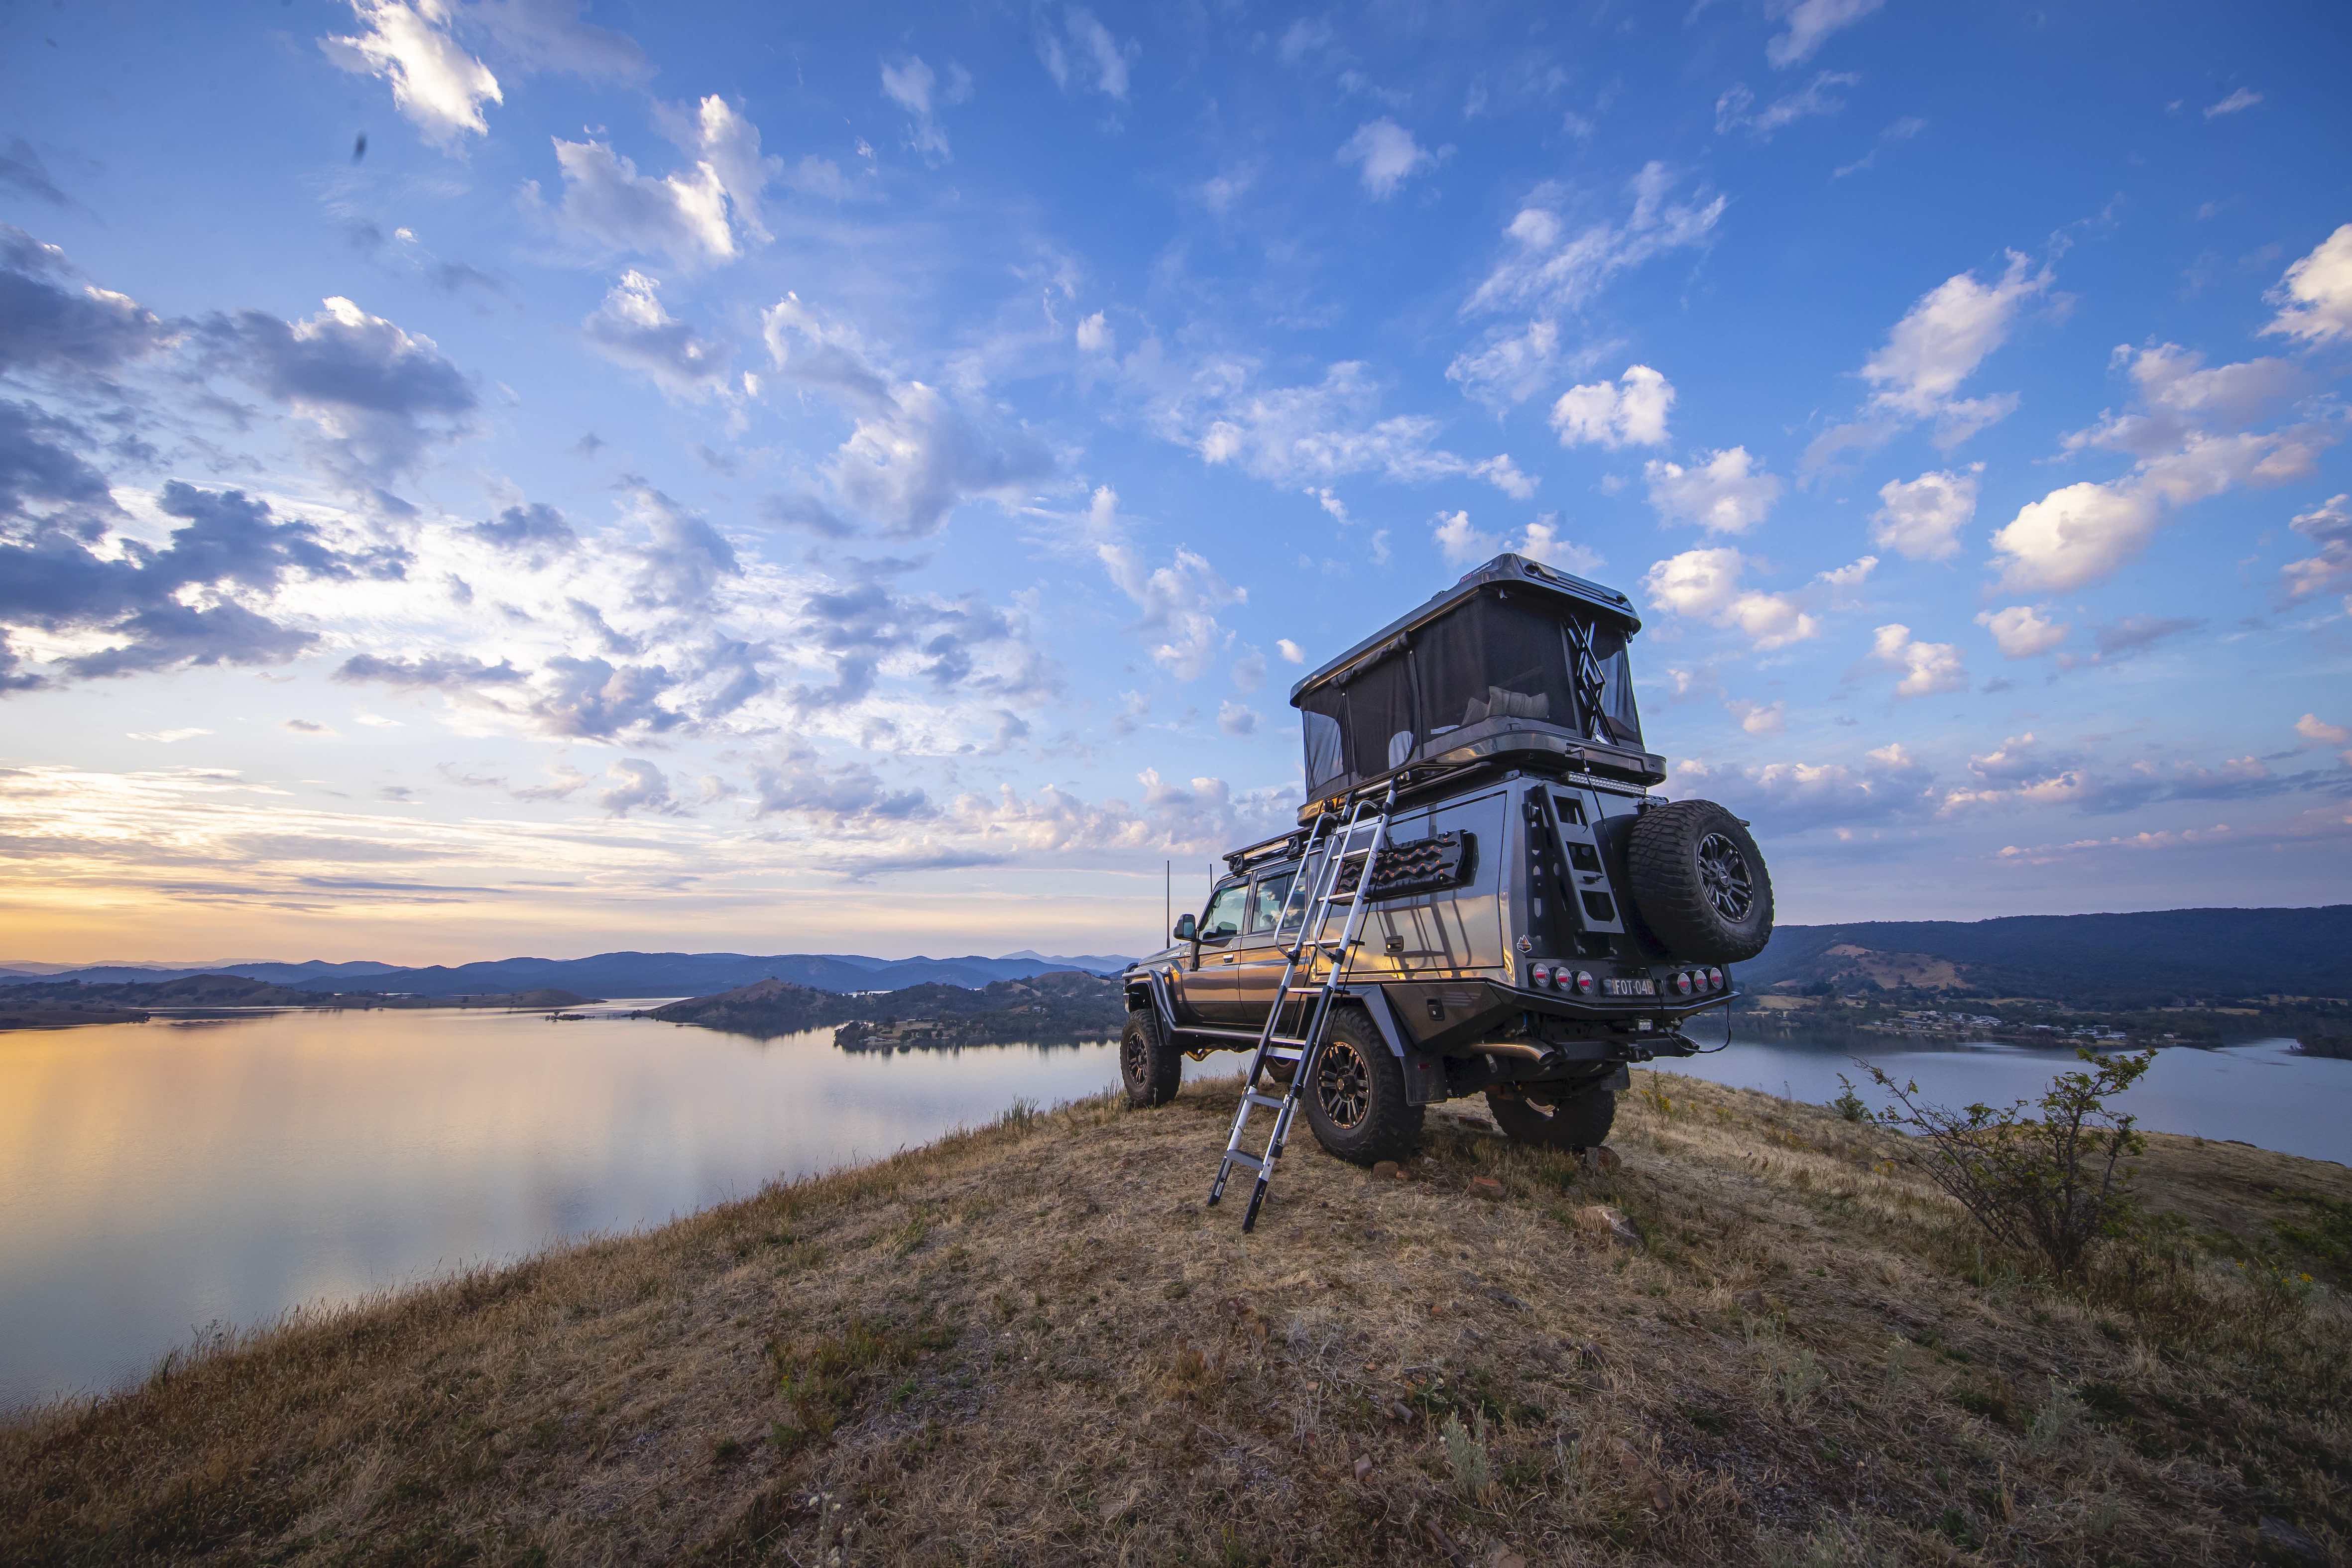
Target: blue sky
[[864, 481]]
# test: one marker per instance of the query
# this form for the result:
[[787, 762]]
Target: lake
[[159, 1178]]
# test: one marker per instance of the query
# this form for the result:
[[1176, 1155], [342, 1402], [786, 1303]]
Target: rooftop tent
[[1514, 656]]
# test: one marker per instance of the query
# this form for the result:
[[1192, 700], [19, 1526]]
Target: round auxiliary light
[[1539, 975], [1682, 982], [1717, 979], [1583, 982]]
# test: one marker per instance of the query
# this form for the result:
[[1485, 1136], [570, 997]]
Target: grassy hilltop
[[1030, 1343]]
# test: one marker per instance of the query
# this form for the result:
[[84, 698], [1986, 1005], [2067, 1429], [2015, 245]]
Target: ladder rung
[[1315, 989], [1285, 1040], [1268, 1101], [1278, 1054], [1235, 1157]]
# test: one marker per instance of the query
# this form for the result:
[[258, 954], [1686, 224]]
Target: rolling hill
[[2113, 960]]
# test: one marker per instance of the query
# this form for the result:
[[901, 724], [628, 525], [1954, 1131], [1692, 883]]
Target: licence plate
[[1641, 986]]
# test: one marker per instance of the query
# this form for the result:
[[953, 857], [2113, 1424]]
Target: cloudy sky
[[489, 477]]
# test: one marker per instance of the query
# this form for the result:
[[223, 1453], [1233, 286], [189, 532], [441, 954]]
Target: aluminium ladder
[[1360, 840]]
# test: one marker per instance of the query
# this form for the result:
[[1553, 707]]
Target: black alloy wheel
[[1343, 1084], [1730, 887], [1149, 1064], [1356, 1104]]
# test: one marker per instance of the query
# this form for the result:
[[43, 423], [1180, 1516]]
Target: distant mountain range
[[610, 973], [2113, 960]]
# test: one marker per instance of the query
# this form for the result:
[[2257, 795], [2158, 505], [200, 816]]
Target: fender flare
[[1375, 1002], [1157, 985]]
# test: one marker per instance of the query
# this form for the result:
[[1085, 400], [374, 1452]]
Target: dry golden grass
[[1031, 1343]]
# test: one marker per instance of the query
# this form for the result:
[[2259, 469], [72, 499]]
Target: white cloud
[[1706, 584], [167, 737], [1179, 601], [631, 328], [1630, 413], [1236, 719], [1759, 718], [1303, 438], [1736, 110], [2074, 536], [2329, 526], [2021, 630], [915, 453], [1921, 518], [1944, 336], [1458, 542], [682, 215], [1511, 367], [1462, 545], [1809, 23], [915, 87], [1386, 156], [2314, 298], [1095, 335], [435, 83], [1542, 542], [1724, 494], [1249, 670], [1903, 130], [1291, 651], [2319, 732], [2082, 533], [2243, 99], [636, 785], [1101, 61], [1927, 667], [1555, 271]]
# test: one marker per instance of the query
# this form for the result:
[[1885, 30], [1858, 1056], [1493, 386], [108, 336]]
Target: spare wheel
[[1699, 882]]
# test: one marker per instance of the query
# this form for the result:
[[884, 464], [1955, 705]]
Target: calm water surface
[[157, 1179]]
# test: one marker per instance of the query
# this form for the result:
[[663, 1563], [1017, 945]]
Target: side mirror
[[1185, 928]]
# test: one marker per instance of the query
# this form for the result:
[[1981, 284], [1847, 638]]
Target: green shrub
[[2053, 1184]]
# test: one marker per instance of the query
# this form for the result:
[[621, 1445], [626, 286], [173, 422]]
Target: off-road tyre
[[1577, 1123], [1149, 1062], [1357, 1104], [1698, 883]]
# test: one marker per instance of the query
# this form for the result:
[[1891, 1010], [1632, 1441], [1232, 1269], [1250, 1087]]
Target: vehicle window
[[1224, 917], [1266, 901]]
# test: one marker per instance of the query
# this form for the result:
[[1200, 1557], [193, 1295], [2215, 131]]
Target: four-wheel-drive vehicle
[[1482, 895]]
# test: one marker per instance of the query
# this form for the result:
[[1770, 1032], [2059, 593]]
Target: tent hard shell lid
[[1516, 657]]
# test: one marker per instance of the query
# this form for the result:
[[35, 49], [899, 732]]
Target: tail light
[[1682, 982], [1539, 975], [1717, 980], [1583, 983]]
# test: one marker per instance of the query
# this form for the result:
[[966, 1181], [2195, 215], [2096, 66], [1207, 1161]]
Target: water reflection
[[156, 1178]]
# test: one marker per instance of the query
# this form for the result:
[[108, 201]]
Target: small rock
[[1601, 1161], [1486, 1186], [1389, 1168], [1363, 1467], [2285, 1540], [1605, 1222], [1398, 1410], [1504, 1557], [1751, 1302]]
